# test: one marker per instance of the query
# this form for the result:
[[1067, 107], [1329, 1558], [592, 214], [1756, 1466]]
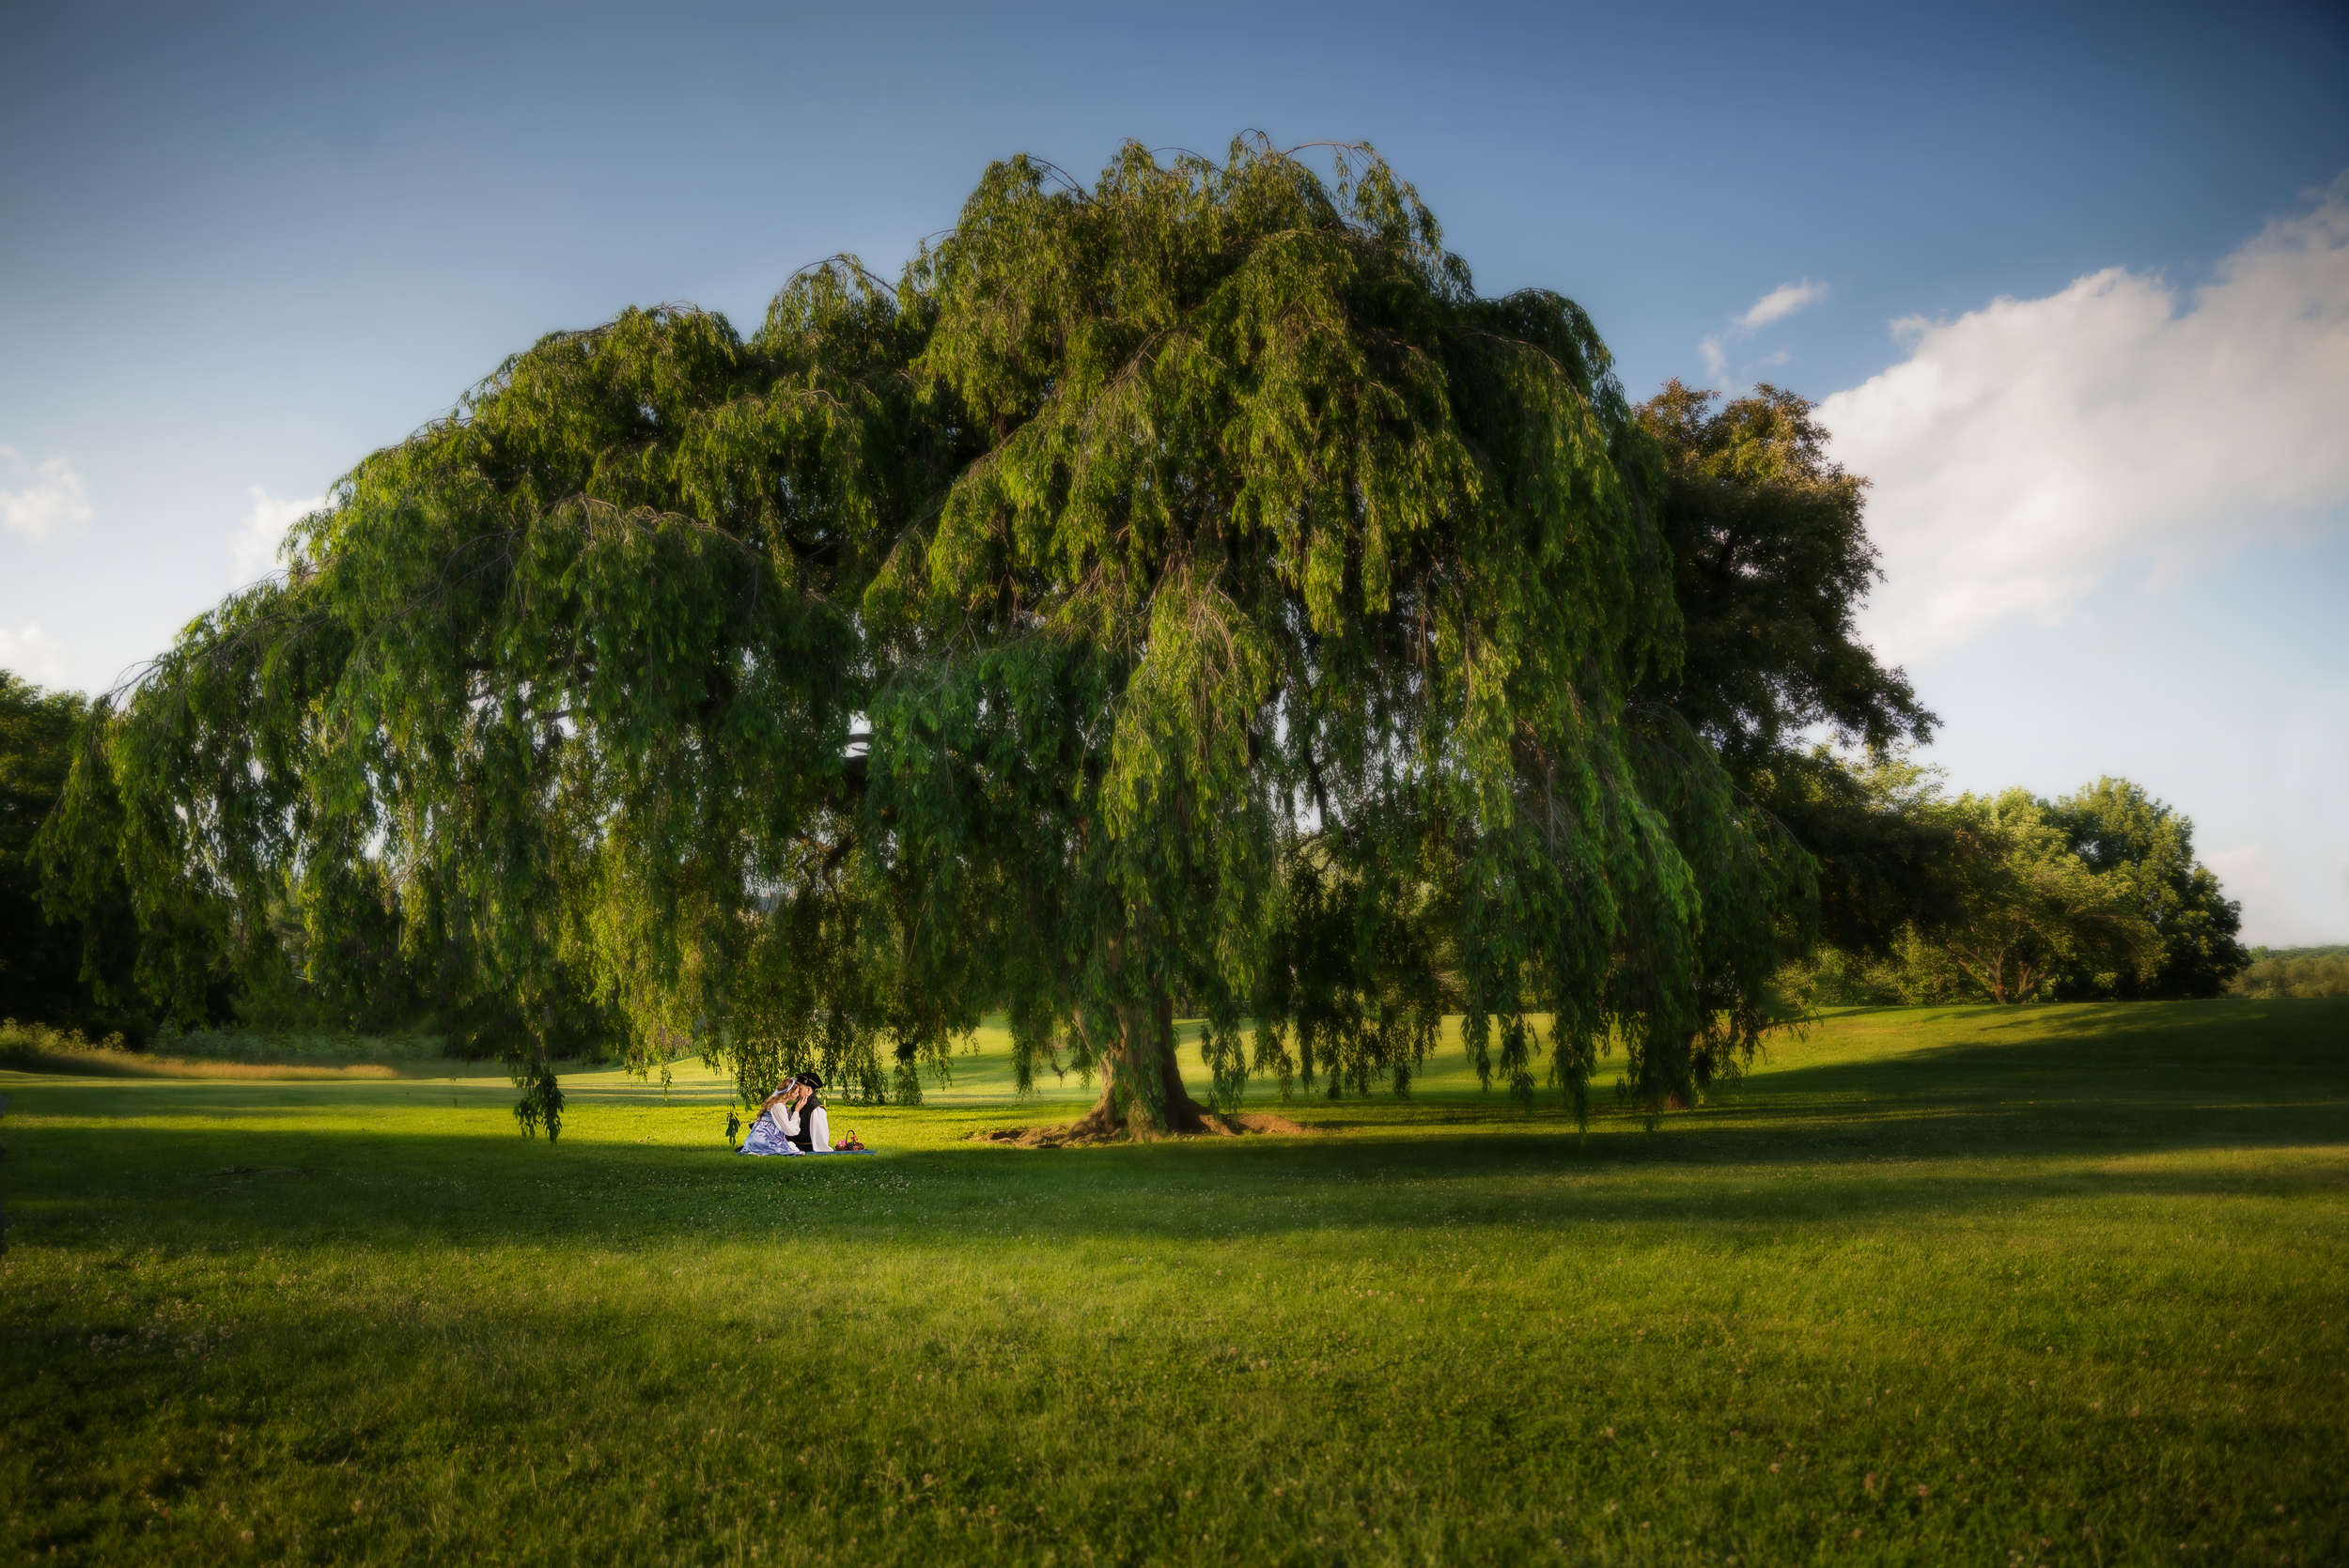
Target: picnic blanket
[[801, 1154]]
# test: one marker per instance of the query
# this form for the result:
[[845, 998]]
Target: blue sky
[[2073, 283]]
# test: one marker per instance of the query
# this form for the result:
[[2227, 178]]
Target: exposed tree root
[[1094, 1128], [1145, 1047]]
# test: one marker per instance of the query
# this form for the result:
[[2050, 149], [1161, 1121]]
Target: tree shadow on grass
[[2185, 1051], [240, 1186], [2071, 1110]]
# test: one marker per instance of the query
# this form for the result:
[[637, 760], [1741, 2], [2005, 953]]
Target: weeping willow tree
[[1186, 588]]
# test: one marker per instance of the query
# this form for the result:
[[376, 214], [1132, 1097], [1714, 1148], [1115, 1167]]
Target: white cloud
[[1781, 302], [35, 655], [2024, 451], [255, 541], [54, 498]]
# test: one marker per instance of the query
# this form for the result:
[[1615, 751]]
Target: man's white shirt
[[820, 1139]]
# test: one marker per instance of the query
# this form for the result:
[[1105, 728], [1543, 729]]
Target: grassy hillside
[[2058, 1284]]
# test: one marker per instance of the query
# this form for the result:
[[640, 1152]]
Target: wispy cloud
[[1776, 305], [54, 500], [255, 542], [2026, 450], [1783, 301]]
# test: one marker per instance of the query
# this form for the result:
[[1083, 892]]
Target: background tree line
[[2094, 896], [2296, 972]]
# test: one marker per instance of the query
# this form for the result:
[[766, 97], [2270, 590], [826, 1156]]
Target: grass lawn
[[2055, 1284]]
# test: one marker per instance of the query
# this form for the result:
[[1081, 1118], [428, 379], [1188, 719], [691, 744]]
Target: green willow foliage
[[1185, 587], [1771, 564]]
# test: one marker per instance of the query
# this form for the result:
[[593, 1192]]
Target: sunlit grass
[[2054, 1284]]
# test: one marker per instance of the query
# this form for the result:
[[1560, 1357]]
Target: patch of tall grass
[[299, 1046], [240, 1053], [36, 1048], [20, 1041]]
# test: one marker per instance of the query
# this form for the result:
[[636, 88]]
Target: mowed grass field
[[2055, 1284]]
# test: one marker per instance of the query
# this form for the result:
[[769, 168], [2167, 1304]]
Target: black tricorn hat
[[810, 1080]]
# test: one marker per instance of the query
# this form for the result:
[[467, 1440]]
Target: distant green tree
[[42, 961], [2096, 895], [1183, 586], [2122, 834], [2028, 908], [2298, 971]]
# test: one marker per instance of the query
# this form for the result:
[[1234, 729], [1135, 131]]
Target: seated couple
[[791, 1120]]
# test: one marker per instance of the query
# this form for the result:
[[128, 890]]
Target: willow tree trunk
[[1142, 1082]]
